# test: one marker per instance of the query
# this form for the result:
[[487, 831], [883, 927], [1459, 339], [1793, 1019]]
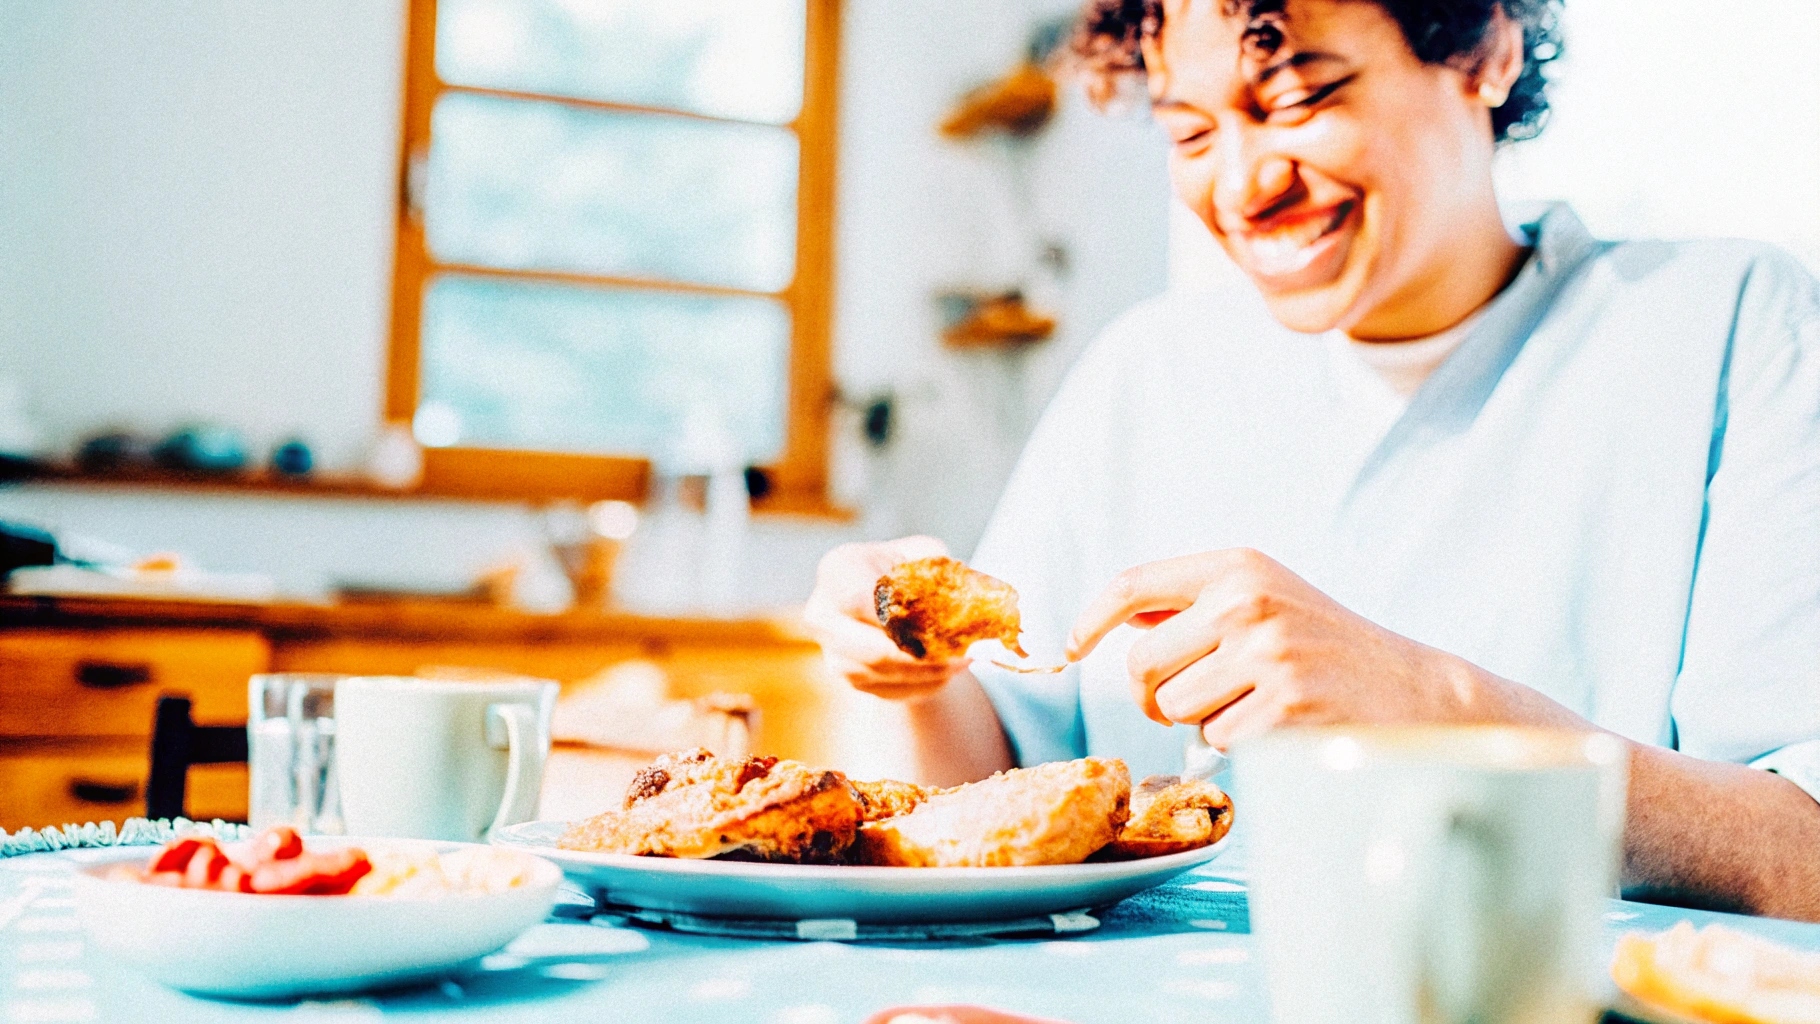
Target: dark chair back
[[177, 743]]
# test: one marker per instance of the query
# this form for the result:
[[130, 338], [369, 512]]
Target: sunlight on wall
[[1678, 118]]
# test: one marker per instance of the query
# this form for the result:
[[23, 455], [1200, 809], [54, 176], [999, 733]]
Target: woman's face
[[1332, 165]]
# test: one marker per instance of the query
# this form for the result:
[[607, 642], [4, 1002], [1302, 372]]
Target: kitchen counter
[[80, 678]]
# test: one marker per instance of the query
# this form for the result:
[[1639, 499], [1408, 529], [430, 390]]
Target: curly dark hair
[[1106, 45]]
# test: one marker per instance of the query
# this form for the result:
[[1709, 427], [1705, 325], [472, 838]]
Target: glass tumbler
[[291, 753]]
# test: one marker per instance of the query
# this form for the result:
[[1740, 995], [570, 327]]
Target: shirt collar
[[1451, 399], [1560, 240]]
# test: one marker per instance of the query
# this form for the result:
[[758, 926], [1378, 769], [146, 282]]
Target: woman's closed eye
[[1192, 137], [1186, 129], [1297, 105]]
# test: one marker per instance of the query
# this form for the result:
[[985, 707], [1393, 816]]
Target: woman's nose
[[1250, 183]]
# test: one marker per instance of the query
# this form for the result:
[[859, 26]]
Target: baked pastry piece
[[696, 805], [1059, 813], [1169, 815], [1719, 974], [936, 608], [888, 798]]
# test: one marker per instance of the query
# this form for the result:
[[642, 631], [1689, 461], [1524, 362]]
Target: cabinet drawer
[[105, 783], [105, 682]]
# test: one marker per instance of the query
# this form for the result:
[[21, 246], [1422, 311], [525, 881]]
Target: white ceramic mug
[[1430, 875], [434, 759]]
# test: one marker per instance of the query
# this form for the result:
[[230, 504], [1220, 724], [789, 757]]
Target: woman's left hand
[[1240, 645]]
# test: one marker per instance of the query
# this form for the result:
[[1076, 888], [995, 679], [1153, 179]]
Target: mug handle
[[1458, 970], [513, 728]]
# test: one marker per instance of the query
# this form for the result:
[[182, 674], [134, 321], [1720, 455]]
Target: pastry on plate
[[888, 798], [935, 608], [696, 805], [1057, 813], [1170, 815], [1719, 974]]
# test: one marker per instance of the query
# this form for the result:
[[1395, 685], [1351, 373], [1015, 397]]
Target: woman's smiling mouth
[[1292, 251]]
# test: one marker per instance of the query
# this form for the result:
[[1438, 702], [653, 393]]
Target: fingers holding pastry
[[841, 616]]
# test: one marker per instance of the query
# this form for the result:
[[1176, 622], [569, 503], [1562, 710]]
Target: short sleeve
[[1039, 540], [1799, 763], [1749, 683]]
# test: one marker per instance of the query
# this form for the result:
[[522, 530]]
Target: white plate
[[719, 888], [269, 947]]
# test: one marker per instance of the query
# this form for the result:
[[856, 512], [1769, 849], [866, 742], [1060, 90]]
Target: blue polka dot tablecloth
[[1179, 953]]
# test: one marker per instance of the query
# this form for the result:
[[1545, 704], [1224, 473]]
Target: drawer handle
[[91, 792], [108, 675]]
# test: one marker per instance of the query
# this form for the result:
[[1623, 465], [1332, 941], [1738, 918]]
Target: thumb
[[910, 549]]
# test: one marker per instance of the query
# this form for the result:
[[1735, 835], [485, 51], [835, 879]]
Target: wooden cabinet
[[106, 682], [76, 709], [79, 679], [59, 784]]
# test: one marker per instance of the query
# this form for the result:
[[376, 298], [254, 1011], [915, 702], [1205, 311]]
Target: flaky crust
[[696, 805], [888, 798], [1170, 815], [1059, 813], [935, 608]]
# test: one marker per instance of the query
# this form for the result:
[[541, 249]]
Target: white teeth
[[1288, 249]]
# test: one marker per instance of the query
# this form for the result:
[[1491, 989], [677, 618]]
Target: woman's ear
[[1500, 61]]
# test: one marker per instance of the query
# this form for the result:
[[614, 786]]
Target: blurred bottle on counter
[[692, 545], [707, 448], [396, 461], [19, 434], [662, 570]]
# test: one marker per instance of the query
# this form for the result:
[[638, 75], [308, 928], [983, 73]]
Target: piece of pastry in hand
[[1058, 813], [696, 805], [935, 608], [1170, 815]]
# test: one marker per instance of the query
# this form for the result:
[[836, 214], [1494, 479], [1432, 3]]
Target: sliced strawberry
[[234, 878], [175, 856], [340, 882], [285, 877], [280, 842], [205, 865]]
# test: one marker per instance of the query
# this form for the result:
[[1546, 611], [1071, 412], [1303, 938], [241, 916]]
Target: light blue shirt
[[1609, 492]]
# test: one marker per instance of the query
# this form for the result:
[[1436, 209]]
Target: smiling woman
[[1438, 468], [1343, 157]]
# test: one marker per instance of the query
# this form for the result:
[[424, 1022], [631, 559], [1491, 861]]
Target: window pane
[[560, 368], [536, 185], [727, 58]]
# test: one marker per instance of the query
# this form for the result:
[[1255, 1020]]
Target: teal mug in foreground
[[1432, 875]]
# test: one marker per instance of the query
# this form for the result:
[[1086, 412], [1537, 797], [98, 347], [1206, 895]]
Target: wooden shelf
[[464, 474], [398, 620], [439, 484], [332, 485]]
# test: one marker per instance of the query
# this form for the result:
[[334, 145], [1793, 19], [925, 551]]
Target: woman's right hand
[[842, 616]]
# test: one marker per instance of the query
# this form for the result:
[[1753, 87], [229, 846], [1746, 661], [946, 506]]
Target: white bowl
[[271, 947]]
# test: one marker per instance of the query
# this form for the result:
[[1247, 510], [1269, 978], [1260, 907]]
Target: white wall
[[195, 213], [918, 215], [195, 221], [1684, 118]]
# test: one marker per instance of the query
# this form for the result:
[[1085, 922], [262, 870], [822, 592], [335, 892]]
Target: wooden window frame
[[799, 478]]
